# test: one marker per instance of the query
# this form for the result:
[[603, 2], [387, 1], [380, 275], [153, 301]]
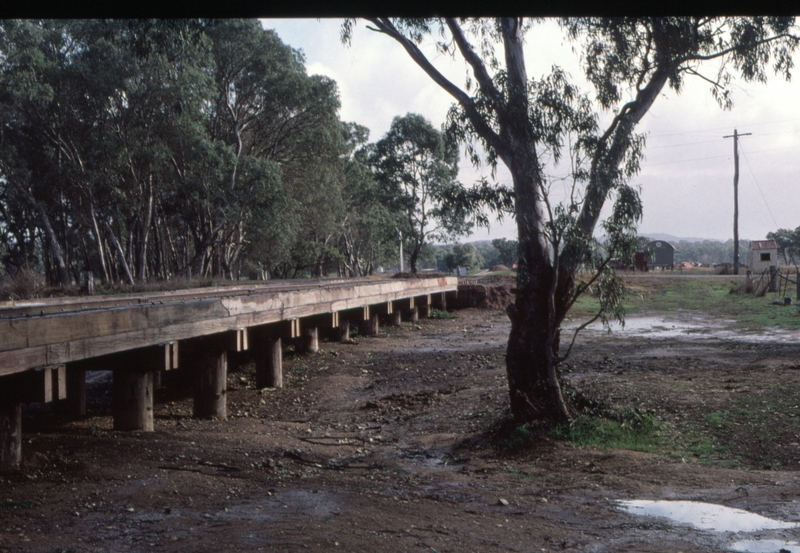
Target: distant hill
[[673, 238]]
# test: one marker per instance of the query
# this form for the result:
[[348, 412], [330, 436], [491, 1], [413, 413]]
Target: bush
[[439, 314], [24, 285]]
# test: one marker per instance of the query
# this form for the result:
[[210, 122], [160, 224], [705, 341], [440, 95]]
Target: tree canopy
[[417, 166]]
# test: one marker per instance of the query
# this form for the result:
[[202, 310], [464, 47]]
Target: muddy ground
[[391, 444]]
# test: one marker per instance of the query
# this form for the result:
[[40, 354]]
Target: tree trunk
[[531, 363], [413, 260], [121, 254], [147, 217], [62, 274], [99, 239]]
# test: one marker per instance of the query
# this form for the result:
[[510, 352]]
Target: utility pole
[[736, 136]]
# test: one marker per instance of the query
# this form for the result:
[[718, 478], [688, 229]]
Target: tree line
[[139, 151]]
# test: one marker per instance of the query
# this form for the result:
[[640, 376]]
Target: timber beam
[[392, 316], [310, 327], [42, 385], [34, 334]]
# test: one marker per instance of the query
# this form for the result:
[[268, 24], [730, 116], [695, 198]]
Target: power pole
[[736, 136]]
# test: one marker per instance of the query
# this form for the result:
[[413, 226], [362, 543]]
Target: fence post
[[773, 278]]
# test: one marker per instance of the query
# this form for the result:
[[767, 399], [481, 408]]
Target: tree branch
[[478, 68], [731, 49], [483, 128]]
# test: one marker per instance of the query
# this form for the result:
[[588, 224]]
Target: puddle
[[695, 328], [705, 516], [318, 505], [765, 546], [718, 518]]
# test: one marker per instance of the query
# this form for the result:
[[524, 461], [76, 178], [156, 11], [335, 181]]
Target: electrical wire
[[715, 140], [758, 186], [727, 127], [713, 157]]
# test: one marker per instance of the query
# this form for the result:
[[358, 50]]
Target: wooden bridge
[[46, 346]]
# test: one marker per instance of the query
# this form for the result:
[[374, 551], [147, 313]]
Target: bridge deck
[[41, 333]]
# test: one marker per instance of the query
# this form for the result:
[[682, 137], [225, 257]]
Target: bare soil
[[394, 444]]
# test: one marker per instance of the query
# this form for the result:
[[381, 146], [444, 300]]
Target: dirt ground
[[386, 445]]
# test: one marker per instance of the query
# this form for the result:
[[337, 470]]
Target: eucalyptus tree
[[47, 141], [84, 113], [508, 250], [516, 120], [141, 149], [417, 167], [368, 225], [268, 108], [788, 244]]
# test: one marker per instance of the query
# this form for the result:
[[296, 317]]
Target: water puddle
[[765, 546], [697, 328], [705, 516], [718, 518]]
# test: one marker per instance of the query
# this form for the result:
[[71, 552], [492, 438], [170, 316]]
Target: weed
[[520, 473], [439, 314], [95, 430], [717, 419], [626, 429], [247, 368]]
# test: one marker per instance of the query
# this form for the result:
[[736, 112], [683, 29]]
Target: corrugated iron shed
[[763, 245]]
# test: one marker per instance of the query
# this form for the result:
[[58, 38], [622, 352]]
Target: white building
[[763, 254]]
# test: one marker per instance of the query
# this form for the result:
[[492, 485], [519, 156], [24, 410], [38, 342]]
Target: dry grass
[[25, 284]]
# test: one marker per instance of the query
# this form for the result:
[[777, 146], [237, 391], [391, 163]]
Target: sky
[[686, 179]]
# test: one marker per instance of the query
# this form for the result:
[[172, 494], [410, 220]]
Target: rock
[[502, 502]]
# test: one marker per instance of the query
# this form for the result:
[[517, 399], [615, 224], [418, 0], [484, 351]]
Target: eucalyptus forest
[[140, 151]]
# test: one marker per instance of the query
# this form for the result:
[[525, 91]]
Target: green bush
[[439, 314]]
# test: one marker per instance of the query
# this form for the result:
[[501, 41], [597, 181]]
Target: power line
[[710, 141], [714, 157], [727, 127], [759, 188]]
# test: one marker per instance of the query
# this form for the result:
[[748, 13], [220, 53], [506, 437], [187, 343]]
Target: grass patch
[[439, 314], [520, 473], [629, 429], [753, 431], [703, 294], [717, 419]]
